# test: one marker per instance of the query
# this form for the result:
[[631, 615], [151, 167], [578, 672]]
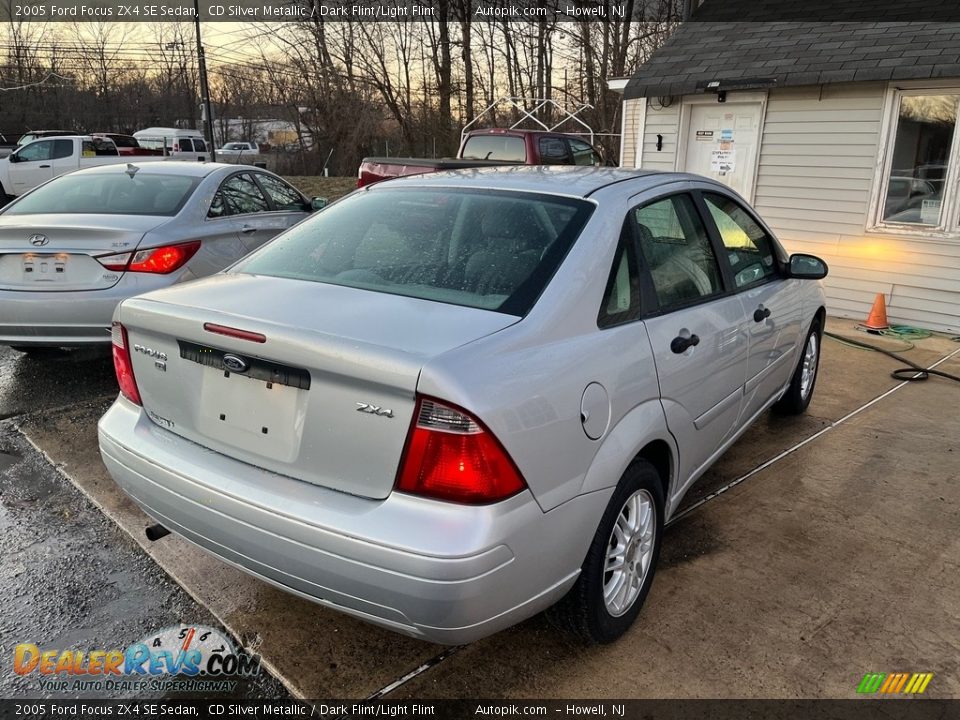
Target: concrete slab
[[841, 559], [315, 652], [767, 591]]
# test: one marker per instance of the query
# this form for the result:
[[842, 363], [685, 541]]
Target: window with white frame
[[922, 153]]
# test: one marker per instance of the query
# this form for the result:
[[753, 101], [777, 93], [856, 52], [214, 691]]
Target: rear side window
[[199, 145], [186, 144], [677, 250], [242, 195], [495, 147], [621, 301], [479, 249], [62, 149]]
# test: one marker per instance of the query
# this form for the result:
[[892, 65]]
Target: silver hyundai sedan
[[449, 402], [76, 246]]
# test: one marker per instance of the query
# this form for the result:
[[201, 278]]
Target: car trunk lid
[[328, 395], [47, 253]]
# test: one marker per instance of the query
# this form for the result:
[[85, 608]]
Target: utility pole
[[204, 86]]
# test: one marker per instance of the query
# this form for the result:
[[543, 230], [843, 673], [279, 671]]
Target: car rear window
[[495, 147], [482, 249], [113, 194]]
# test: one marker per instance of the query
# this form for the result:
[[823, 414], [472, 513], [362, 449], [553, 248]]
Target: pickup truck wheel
[[800, 391], [620, 564]]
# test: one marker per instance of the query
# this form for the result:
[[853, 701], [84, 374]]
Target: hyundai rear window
[[481, 249], [113, 194]]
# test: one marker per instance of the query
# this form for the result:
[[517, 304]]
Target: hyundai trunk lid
[[327, 396], [58, 252]]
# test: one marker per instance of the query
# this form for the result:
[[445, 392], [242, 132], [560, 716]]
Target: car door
[[255, 218], [772, 303], [693, 323], [32, 167], [288, 205]]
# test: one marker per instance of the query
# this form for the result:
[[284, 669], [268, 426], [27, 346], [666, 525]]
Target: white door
[[722, 143]]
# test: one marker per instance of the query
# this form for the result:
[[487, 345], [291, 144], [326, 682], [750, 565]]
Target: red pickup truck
[[128, 145], [481, 148]]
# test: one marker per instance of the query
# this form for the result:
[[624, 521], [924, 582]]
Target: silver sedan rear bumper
[[438, 571], [72, 318]]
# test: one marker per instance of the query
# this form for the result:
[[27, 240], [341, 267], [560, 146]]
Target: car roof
[[164, 167], [578, 181]]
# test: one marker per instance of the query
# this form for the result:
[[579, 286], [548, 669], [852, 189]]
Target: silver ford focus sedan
[[73, 248], [446, 403]]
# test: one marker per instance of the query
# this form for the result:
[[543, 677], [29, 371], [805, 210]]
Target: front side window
[[676, 248], [199, 145], [283, 196], [186, 145], [920, 155], [41, 150], [749, 249], [480, 249]]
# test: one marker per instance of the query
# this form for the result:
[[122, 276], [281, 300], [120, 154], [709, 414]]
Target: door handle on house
[[247, 229], [761, 314], [681, 344]]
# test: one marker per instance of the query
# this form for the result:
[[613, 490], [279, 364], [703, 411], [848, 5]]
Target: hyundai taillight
[[122, 364], [450, 455], [160, 261]]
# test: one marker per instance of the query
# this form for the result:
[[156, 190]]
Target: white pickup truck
[[41, 160]]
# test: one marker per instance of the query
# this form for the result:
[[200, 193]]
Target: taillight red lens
[[161, 260], [450, 455], [123, 365]]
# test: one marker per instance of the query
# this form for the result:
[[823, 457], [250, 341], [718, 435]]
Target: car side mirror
[[13, 157], [806, 267], [318, 203]]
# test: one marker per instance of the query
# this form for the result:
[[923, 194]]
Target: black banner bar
[[860, 709]]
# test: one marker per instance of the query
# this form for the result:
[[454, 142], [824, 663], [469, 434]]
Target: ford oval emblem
[[235, 364], [39, 240]]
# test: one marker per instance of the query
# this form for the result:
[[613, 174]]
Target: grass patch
[[319, 186]]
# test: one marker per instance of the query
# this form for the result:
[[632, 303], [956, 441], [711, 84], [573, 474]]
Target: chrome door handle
[[681, 344], [761, 314]]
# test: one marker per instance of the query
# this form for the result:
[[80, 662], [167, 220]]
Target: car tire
[[800, 391], [592, 610]]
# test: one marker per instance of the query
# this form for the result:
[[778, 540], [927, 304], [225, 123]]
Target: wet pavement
[[837, 559], [71, 578]]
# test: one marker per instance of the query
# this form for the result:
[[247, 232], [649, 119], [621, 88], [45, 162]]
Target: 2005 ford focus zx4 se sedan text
[[446, 403]]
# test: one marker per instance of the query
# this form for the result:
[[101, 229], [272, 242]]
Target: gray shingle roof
[[765, 54]]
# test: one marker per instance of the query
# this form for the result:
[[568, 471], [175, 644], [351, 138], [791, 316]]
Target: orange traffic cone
[[877, 319]]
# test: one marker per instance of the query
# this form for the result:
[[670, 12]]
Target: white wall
[[818, 153]]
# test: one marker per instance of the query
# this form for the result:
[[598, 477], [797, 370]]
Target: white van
[[179, 144]]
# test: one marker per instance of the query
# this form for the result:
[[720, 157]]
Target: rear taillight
[[450, 455], [123, 365], [160, 261]]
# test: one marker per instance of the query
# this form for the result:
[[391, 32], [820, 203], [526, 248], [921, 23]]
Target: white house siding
[[818, 156], [664, 121], [632, 117], [818, 153]]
